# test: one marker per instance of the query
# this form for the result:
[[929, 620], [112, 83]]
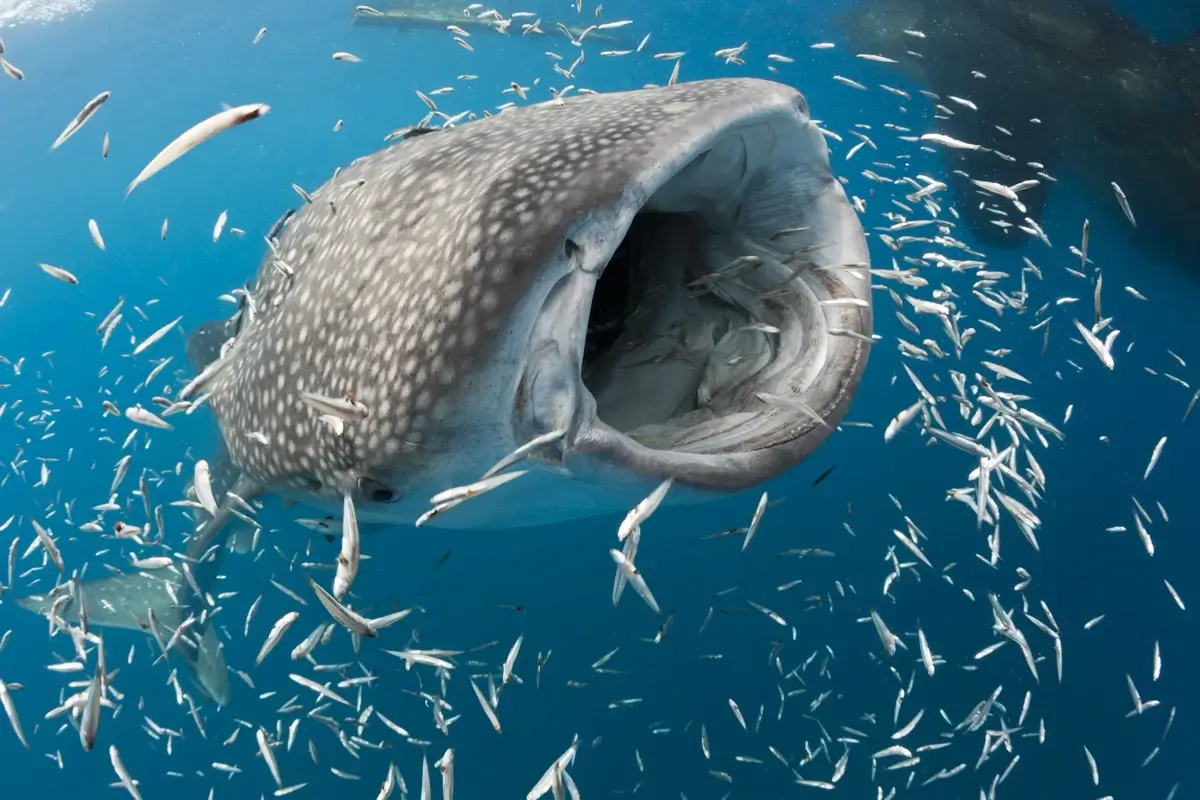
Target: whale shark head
[[672, 278]]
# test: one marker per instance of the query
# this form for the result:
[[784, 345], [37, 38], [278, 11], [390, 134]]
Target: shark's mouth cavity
[[653, 325], [728, 317]]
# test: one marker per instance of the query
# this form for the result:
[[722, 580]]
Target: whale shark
[[548, 269], [662, 284]]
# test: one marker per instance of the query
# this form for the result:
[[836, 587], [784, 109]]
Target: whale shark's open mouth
[[727, 317], [671, 279]]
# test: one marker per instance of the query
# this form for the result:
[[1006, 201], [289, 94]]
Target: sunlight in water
[[15, 12]]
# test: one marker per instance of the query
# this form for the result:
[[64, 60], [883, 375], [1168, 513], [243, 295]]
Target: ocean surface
[[171, 65]]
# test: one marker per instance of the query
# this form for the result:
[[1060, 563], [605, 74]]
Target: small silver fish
[[195, 136], [58, 273], [1123, 201], [81, 119]]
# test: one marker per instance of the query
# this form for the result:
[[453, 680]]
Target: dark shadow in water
[[1113, 104]]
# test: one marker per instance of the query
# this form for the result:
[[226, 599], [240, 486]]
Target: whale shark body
[[671, 279]]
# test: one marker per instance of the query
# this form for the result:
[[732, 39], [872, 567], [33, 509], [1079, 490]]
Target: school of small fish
[[979, 412]]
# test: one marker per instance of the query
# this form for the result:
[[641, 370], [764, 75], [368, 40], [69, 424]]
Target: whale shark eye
[[375, 491]]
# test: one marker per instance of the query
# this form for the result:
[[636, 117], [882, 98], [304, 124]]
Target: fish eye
[[375, 491]]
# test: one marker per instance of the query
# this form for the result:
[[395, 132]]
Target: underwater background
[[170, 64]]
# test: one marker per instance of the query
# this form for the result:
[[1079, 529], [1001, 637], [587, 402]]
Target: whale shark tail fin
[[206, 658], [146, 602], [158, 602]]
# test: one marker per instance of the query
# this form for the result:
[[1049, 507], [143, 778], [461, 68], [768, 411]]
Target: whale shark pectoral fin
[[225, 477], [228, 510], [126, 601]]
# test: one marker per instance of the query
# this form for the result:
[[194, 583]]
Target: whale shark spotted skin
[[447, 284], [671, 277]]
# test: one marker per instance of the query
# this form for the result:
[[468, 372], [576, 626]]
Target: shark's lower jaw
[[693, 326]]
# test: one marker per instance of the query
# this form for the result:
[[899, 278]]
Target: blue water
[[169, 65]]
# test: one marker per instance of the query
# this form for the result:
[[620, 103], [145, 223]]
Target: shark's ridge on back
[[418, 278]]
